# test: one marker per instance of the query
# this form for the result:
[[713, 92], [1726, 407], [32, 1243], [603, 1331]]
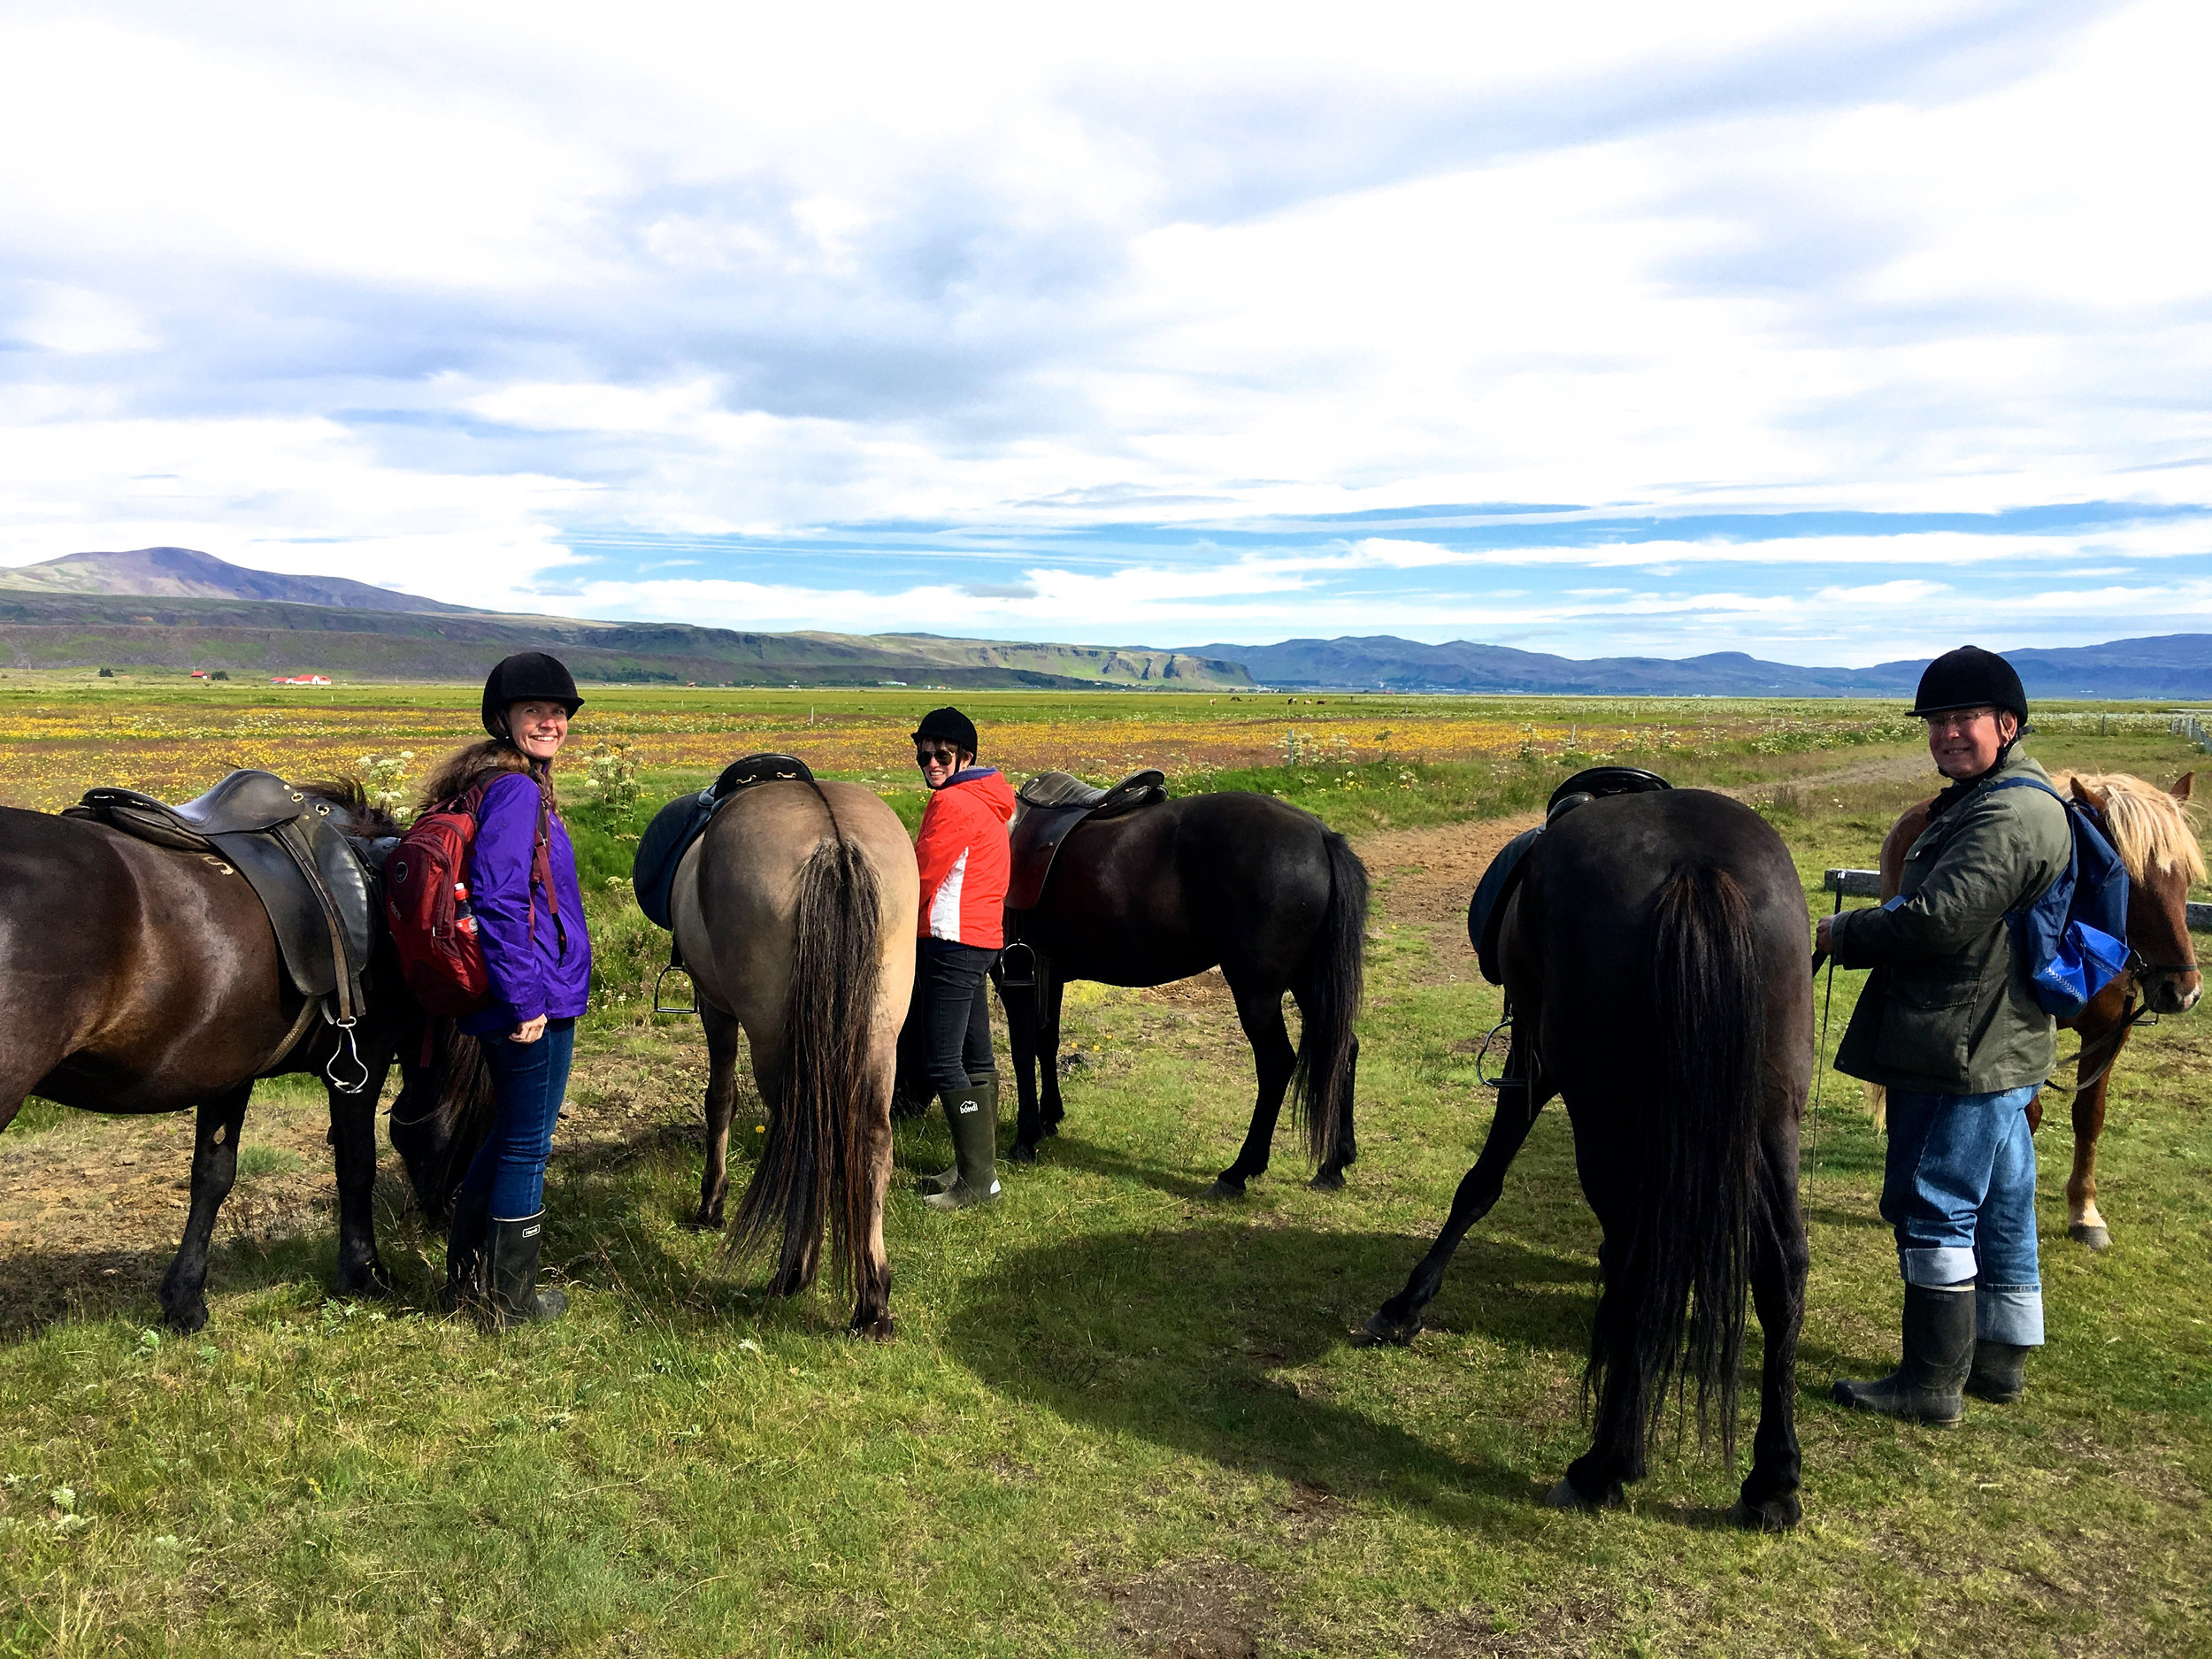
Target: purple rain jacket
[[550, 973]]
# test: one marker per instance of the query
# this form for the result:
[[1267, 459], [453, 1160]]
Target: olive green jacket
[[1948, 1009]]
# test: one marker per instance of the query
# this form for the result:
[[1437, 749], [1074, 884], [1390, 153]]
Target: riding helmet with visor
[[526, 677], [949, 726], [1971, 678]]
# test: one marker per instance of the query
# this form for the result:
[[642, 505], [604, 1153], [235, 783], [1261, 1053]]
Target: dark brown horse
[[1655, 960], [2150, 830], [136, 978], [1247, 883]]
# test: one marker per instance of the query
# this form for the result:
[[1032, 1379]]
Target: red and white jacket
[[963, 853]]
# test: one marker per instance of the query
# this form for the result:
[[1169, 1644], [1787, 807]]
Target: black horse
[[1656, 960], [136, 978], [1245, 882]]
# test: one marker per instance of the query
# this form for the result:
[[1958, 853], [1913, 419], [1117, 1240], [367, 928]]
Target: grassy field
[[1118, 1418]]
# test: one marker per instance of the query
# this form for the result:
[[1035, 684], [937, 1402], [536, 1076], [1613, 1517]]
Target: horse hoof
[[1564, 1496], [1777, 1513], [2097, 1239], [1222, 1187], [1020, 1154], [879, 1329], [185, 1321], [1382, 1330], [371, 1281], [1327, 1181]]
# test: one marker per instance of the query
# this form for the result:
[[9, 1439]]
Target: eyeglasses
[[1956, 719]]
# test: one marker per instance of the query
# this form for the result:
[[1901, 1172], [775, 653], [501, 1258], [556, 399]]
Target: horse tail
[[1328, 1003], [444, 1111], [1681, 1284], [814, 1167]]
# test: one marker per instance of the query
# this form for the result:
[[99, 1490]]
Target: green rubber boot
[[1938, 1349], [516, 1298], [986, 1083], [972, 1115]]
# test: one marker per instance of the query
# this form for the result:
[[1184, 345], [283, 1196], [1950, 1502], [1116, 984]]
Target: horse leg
[[1399, 1320], [214, 1169], [1050, 988], [1780, 1257], [2084, 1224], [1261, 1014], [871, 1272], [721, 1106], [1330, 1177], [1593, 1480], [1021, 1042], [353, 1149]]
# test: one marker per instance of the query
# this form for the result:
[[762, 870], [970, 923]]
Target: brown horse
[[2149, 828], [136, 978], [794, 912]]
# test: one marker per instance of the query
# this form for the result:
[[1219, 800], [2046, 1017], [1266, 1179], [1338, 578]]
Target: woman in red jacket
[[965, 862]]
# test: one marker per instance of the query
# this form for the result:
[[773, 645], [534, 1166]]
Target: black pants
[[953, 985]]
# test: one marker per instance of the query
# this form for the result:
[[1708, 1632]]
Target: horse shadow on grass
[[1209, 1340]]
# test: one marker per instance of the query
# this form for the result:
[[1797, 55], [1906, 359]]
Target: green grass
[[1118, 1418]]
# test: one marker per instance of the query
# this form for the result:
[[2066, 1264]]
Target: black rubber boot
[[465, 1284], [1938, 1349], [516, 1298], [2000, 1373], [972, 1115], [986, 1084]]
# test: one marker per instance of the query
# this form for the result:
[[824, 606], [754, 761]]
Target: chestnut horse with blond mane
[[2149, 828]]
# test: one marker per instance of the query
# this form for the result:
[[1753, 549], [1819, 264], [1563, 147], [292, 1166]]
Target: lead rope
[[1820, 1081]]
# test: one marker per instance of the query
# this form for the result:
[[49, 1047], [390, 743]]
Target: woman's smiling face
[[539, 728]]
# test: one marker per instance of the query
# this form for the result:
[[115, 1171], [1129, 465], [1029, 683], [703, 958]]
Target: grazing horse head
[[2149, 828]]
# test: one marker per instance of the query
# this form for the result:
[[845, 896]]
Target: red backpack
[[427, 905]]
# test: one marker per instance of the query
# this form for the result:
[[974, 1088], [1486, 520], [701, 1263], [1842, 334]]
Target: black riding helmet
[[949, 726], [526, 677], [1971, 678]]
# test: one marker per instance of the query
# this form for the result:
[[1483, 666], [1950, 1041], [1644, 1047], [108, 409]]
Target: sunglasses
[[935, 756]]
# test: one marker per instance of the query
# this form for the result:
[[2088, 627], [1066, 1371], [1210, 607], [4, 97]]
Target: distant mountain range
[[2170, 665], [177, 608]]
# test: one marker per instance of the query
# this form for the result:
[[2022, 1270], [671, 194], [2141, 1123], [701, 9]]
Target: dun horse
[[795, 913], [136, 978], [2149, 828], [1655, 958], [1243, 882]]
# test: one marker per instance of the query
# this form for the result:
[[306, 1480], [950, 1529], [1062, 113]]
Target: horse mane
[[2149, 829], [365, 820]]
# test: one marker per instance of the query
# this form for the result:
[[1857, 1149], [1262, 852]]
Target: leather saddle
[[683, 820], [1485, 911], [1052, 804], [319, 892]]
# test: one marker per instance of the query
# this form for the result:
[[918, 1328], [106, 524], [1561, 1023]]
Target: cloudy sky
[[1833, 331]]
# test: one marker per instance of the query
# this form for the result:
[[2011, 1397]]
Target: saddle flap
[[295, 913], [662, 847]]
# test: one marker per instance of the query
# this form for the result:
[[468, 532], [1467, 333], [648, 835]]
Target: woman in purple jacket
[[530, 922]]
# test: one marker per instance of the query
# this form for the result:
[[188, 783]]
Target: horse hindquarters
[[826, 1160]]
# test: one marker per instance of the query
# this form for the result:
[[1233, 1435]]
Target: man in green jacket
[[1948, 1023]]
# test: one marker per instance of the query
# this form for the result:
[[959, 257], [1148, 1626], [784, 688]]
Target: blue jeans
[[1958, 1187], [529, 1080]]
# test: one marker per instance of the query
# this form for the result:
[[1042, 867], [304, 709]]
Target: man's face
[[1964, 742]]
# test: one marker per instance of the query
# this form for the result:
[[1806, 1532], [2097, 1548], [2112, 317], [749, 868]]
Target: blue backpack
[[2073, 937]]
